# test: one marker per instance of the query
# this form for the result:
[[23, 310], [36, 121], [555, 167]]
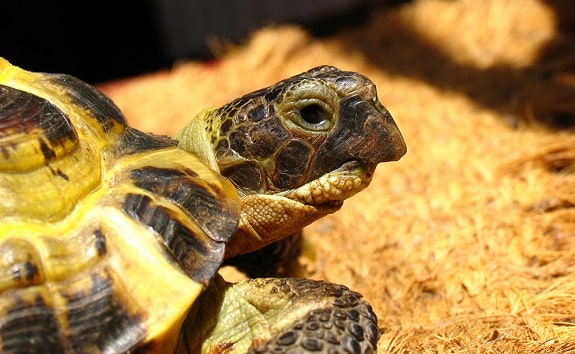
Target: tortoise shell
[[77, 185], [109, 236]]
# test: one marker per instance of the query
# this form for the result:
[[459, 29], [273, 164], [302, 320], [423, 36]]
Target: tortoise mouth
[[335, 186]]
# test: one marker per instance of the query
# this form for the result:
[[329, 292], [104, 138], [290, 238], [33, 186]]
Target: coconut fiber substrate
[[467, 244]]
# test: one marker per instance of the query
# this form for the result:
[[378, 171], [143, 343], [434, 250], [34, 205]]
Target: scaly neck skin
[[195, 138]]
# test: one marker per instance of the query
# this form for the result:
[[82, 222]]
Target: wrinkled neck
[[195, 139]]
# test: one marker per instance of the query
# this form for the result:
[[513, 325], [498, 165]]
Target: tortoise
[[111, 239]]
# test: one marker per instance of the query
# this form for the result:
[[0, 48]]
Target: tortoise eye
[[314, 117], [314, 114]]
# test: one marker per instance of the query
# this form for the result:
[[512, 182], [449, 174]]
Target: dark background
[[99, 41], [96, 41]]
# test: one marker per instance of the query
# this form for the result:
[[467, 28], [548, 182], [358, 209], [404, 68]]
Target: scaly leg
[[280, 315]]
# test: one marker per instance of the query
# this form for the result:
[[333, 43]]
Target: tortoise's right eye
[[315, 116], [312, 114]]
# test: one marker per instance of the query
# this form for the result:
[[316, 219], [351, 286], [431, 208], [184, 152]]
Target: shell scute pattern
[[98, 315], [33, 256], [89, 99], [134, 141], [30, 315], [42, 136], [87, 315], [193, 212], [21, 264], [70, 266], [53, 138]]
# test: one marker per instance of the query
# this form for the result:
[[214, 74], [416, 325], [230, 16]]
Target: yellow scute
[[155, 282], [34, 188]]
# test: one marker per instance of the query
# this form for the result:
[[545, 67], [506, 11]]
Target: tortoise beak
[[365, 132], [382, 141]]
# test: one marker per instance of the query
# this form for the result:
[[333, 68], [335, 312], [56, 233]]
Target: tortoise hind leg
[[281, 315], [277, 259], [337, 320]]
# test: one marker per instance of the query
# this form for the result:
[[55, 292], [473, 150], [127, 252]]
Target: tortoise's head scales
[[314, 139]]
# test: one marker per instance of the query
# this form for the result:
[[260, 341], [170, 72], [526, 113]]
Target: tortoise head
[[308, 143]]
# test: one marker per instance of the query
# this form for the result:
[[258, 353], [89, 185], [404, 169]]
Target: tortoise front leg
[[280, 315]]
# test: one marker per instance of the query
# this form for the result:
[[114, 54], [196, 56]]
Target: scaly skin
[[280, 315]]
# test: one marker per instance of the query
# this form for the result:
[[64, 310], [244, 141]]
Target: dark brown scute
[[165, 222], [92, 100], [203, 202], [26, 116], [197, 205], [134, 141], [23, 112], [98, 318], [31, 325], [199, 256]]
